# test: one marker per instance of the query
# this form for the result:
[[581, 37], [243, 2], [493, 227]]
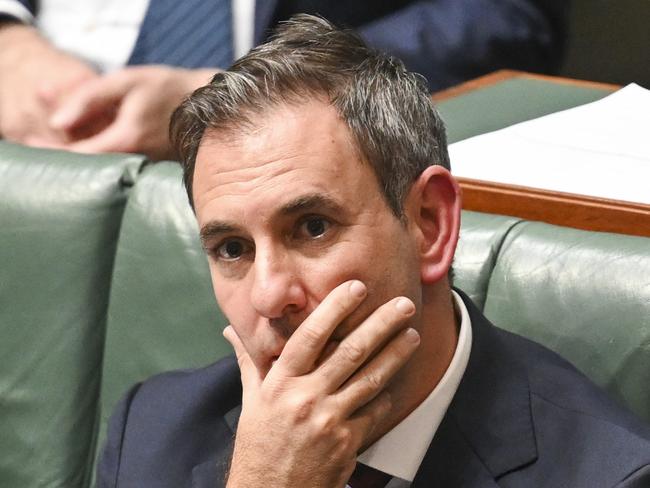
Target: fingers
[[370, 380], [51, 92], [306, 344], [249, 375], [113, 138], [369, 336], [90, 100], [44, 142], [364, 421]]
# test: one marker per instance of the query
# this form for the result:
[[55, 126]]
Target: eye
[[231, 250], [314, 227]]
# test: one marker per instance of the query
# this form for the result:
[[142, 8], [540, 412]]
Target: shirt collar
[[401, 450]]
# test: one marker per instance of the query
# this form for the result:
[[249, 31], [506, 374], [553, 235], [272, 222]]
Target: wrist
[[22, 39]]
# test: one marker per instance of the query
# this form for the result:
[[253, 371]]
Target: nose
[[277, 285]]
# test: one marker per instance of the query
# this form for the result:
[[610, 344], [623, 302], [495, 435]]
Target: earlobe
[[438, 202]]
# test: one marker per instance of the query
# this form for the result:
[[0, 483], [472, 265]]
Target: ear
[[434, 204]]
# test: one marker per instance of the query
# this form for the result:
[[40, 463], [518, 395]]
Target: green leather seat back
[[586, 295], [162, 313], [60, 215], [481, 236]]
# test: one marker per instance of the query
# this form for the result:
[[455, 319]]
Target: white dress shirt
[[104, 32], [400, 451]]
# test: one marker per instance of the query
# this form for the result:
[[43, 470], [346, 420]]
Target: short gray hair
[[388, 109]]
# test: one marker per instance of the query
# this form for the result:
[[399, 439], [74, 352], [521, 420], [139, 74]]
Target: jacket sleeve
[[108, 465], [21, 10], [449, 41]]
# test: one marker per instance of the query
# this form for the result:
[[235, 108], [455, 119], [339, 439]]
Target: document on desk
[[601, 149]]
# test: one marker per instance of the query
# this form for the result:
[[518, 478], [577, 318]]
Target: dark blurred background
[[609, 41]]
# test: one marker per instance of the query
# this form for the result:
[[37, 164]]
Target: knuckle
[[311, 335], [344, 440], [352, 352], [373, 381], [325, 423], [302, 407]]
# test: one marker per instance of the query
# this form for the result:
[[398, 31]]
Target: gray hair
[[391, 117]]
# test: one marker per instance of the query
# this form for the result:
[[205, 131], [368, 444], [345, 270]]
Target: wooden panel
[[505, 74], [578, 211]]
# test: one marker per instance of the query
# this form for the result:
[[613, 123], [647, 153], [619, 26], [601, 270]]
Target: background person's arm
[[450, 41], [30, 70], [127, 110]]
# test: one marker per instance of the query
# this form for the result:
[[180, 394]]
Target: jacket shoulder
[[177, 416], [584, 437]]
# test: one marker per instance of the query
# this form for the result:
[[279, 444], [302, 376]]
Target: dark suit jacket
[[448, 41], [522, 417]]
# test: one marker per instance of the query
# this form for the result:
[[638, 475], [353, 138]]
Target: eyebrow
[[301, 204], [313, 201], [215, 228]]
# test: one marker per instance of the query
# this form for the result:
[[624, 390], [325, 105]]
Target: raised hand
[[128, 109], [31, 69], [303, 423]]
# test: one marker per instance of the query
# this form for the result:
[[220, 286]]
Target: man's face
[[288, 211]]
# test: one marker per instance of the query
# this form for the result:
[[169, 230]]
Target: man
[[319, 175], [105, 76]]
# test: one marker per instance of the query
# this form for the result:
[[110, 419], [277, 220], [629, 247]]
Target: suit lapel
[[488, 430], [450, 461], [212, 473]]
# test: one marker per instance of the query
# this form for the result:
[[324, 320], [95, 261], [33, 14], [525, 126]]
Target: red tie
[[367, 477]]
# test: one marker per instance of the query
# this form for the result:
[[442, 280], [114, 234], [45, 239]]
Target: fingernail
[[405, 306], [357, 289], [412, 335]]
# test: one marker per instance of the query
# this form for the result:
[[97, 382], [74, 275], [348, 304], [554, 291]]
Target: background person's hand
[[129, 110], [303, 423], [30, 70]]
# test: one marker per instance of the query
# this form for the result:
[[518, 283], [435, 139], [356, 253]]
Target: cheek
[[322, 276], [233, 300]]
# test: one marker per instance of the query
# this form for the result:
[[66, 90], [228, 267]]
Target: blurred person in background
[[105, 75]]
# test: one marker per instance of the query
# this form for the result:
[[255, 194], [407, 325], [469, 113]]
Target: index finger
[[306, 344], [90, 100]]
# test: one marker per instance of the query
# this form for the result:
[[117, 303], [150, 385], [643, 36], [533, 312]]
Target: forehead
[[286, 150]]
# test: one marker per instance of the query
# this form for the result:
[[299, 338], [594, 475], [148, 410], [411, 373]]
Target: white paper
[[601, 149]]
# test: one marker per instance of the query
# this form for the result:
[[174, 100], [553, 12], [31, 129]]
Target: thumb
[[250, 376]]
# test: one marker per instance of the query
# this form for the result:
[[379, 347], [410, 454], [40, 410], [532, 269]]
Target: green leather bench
[[103, 283], [60, 216]]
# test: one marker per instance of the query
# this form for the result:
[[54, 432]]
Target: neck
[[438, 328]]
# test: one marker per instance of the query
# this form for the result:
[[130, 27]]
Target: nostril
[[282, 326]]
